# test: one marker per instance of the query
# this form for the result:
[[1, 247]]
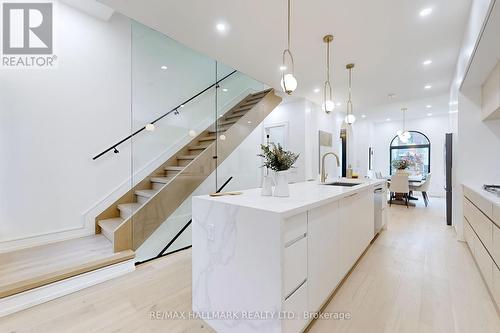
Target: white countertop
[[478, 188], [303, 196]]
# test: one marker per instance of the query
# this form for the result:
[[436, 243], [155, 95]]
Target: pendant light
[[404, 135], [328, 104], [288, 81], [350, 118]]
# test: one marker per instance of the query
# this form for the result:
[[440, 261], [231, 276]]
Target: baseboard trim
[[30, 298]]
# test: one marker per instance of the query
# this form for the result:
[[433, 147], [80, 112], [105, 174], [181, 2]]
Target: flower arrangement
[[401, 164], [276, 158]]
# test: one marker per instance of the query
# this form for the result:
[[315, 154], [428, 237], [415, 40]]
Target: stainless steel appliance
[[448, 162]]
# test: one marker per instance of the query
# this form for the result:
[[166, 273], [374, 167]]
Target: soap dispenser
[[349, 172]]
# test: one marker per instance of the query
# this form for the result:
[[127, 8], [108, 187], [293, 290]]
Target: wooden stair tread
[[146, 193], [227, 122], [162, 180], [174, 168], [208, 138], [131, 207], [41, 265], [110, 225], [186, 157], [198, 147]]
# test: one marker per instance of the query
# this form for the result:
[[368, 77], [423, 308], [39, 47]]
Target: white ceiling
[[386, 39]]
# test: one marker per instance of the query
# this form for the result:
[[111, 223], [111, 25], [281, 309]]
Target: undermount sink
[[342, 184]]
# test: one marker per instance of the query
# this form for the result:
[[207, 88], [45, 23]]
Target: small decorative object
[[267, 186], [401, 164], [280, 161]]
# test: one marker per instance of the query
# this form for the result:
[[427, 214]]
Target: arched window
[[417, 150]]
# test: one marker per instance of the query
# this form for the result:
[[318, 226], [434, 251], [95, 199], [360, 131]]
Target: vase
[[267, 186], [281, 184]]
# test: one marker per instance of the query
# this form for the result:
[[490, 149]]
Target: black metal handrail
[[176, 109], [172, 241]]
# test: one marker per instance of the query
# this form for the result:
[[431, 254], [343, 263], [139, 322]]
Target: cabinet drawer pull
[[295, 289], [293, 241]]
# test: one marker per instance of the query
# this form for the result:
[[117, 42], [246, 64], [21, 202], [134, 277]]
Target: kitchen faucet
[[323, 173]]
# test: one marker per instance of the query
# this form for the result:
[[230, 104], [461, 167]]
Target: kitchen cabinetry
[[482, 234]]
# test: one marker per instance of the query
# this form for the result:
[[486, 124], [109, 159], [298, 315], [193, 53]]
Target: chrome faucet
[[323, 173]]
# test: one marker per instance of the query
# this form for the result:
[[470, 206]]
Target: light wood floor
[[415, 278], [33, 267]]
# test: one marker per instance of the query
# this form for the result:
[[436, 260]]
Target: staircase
[[138, 213]]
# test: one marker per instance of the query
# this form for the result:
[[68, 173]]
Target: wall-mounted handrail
[[175, 109]]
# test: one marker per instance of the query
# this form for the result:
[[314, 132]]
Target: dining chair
[[399, 184], [424, 187]]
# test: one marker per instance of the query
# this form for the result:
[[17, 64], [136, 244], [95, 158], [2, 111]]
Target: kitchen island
[[266, 264]]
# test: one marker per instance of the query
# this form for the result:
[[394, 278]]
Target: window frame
[[427, 145]]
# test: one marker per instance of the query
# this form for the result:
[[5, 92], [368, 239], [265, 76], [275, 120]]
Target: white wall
[[53, 121], [380, 135]]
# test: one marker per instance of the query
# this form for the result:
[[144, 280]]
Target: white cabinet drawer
[[484, 205], [480, 223], [297, 304], [484, 262], [469, 235], [496, 285], [495, 252], [295, 227], [295, 266]]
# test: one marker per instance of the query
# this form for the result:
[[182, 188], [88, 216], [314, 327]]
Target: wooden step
[[158, 182], [144, 195], [208, 138], [186, 157], [235, 114], [128, 209], [198, 147], [218, 132], [108, 226], [174, 168], [227, 122]]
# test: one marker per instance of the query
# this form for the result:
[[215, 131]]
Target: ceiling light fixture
[[428, 106], [224, 89], [221, 27], [328, 104], [282, 68], [429, 114], [404, 135], [363, 116], [288, 81], [349, 118], [427, 62], [317, 90], [339, 104], [150, 127], [388, 119], [425, 12], [163, 68], [428, 87]]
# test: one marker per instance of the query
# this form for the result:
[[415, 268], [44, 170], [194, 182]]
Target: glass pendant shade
[[403, 135], [350, 119], [328, 106], [288, 83]]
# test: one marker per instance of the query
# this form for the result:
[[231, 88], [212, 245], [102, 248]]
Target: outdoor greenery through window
[[417, 150]]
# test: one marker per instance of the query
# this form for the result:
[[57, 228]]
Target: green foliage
[[402, 164], [277, 159]]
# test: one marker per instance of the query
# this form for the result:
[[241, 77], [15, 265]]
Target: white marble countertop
[[303, 196], [478, 188]]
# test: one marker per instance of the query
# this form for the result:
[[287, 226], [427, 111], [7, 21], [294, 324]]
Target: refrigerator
[[448, 159]]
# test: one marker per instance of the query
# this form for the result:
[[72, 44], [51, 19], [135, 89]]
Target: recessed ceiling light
[[453, 111], [429, 114], [224, 89], [282, 68], [163, 68], [428, 86], [363, 116], [388, 119], [221, 27], [425, 12], [316, 90], [182, 105], [428, 106], [427, 62], [249, 122], [339, 104]]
